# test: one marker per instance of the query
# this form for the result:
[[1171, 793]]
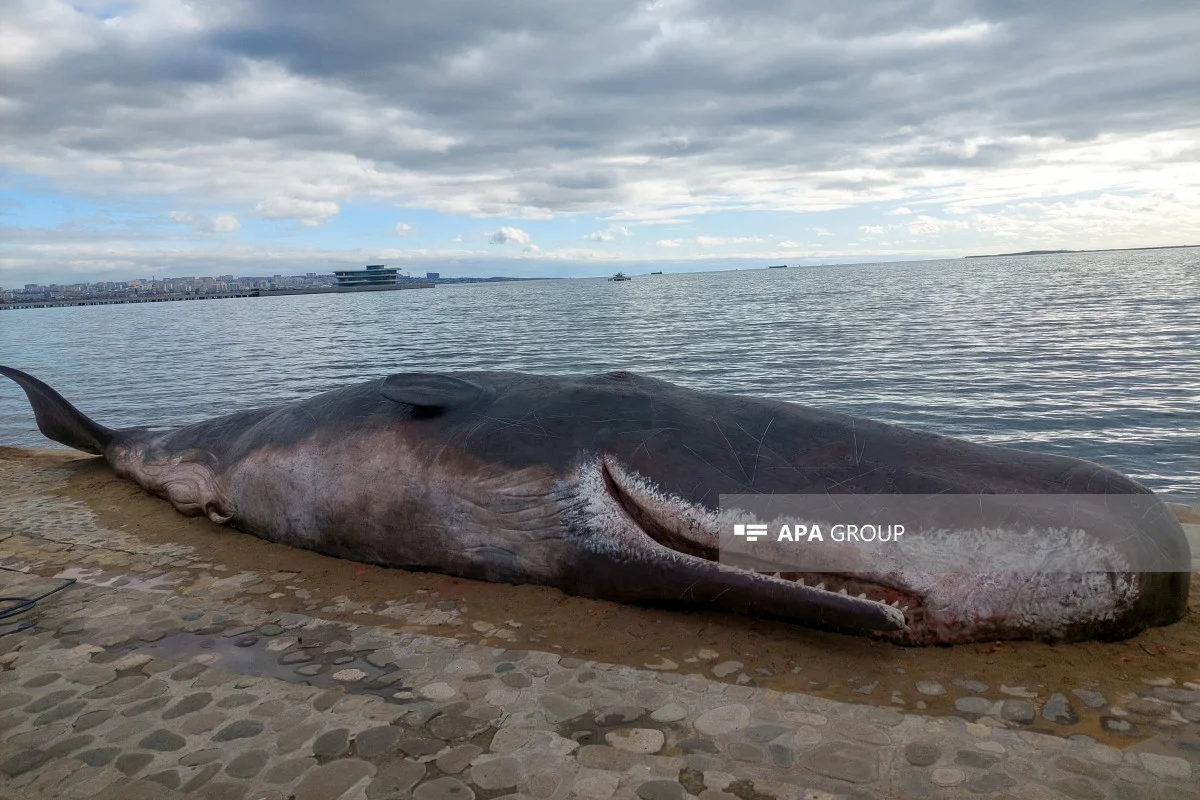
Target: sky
[[536, 138]]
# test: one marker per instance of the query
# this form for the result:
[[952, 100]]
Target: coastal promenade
[[176, 298], [16, 305], [164, 671]]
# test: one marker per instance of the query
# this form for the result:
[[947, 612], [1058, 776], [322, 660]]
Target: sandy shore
[[124, 531]]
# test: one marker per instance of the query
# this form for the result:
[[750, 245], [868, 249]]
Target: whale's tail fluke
[[59, 420]]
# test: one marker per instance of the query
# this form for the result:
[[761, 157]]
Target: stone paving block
[[477, 720]]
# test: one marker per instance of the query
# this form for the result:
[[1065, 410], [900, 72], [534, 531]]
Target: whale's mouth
[[687, 529], [910, 604], [660, 527]]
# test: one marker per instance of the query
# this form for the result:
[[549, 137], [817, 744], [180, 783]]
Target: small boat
[[656, 273], [620, 276], [781, 266]]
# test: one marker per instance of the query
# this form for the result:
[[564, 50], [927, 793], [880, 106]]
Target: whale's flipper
[[59, 420]]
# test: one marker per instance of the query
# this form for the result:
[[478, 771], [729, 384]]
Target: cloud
[[925, 225], [643, 114], [1109, 220], [404, 229], [721, 241], [789, 244], [668, 243], [872, 229], [822, 232], [609, 234], [225, 223], [307, 212], [658, 215], [221, 223], [510, 235]]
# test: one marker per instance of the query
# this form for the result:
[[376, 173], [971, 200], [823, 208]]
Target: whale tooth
[[862, 596], [904, 608], [842, 591], [894, 604], [801, 581], [820, 586]]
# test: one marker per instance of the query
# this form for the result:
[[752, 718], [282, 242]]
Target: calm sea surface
[[1091, 355]]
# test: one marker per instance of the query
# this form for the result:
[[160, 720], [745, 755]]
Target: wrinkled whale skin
[[602, 486]]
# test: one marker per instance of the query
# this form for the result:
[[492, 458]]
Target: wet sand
[[771, 654]]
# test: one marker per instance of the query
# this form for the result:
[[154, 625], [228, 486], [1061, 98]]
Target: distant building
[[373, 275], [433, 276]]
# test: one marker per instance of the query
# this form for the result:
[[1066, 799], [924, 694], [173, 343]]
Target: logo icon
[[752, 533]]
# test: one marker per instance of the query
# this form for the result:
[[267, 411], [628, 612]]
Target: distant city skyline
[[534, 139], [210, 284], [487, 268]]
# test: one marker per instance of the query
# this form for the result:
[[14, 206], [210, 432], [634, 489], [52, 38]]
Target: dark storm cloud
[[484, 107]]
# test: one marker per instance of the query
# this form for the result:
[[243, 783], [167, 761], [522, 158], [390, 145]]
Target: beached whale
[[607, 486]]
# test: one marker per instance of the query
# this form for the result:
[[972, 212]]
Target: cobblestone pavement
[[128, 693], [127, 686]]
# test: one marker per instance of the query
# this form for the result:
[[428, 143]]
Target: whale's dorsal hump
[[430, 391]]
